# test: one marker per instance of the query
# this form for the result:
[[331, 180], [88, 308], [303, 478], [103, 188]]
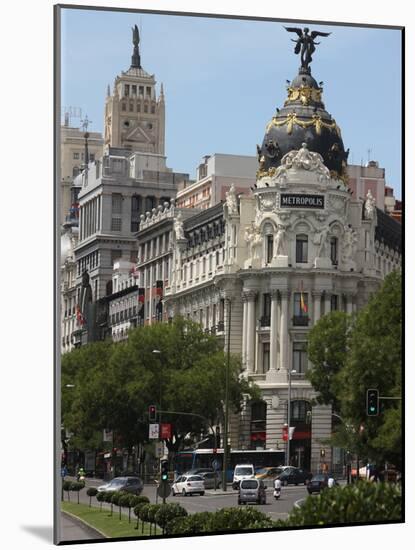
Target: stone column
[[327, 303], [316, 305], [244, 329], [273, 359], [284, 331], [250, 297], [349, 304]]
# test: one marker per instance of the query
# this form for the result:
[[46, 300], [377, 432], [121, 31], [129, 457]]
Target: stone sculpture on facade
[[231, 201], [350, 240], [178, 227], [370, 205], [280, 241], [322, 241], [303, 159]]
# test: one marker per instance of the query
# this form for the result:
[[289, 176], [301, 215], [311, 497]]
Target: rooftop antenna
[[85, 123], [68, 113], [368, 155]]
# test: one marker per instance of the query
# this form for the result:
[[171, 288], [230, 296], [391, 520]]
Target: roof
[[388, 231]]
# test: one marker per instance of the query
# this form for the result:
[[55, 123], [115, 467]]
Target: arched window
[[300, 412]]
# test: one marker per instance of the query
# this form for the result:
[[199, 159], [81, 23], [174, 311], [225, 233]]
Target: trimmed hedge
[[167, 513], [361, 502], [91, 492], [227, 519]]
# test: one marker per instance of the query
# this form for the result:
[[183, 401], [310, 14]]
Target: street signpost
[[164, 490], [153, 431], [159, 449]]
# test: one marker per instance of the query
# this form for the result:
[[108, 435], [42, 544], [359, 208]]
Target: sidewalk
[[73, 529]]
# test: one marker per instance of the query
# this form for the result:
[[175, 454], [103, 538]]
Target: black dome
[[303, 119]]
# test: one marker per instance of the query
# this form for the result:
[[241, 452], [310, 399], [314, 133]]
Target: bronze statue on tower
[[305, 44]]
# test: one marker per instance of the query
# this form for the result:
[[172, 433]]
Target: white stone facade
[[296, 249]]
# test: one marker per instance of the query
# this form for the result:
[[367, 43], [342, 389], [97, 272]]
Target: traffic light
[[372, 402], [164, 470], [152, 413]]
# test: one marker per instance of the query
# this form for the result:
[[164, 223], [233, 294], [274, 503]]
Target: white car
[[188, 485]]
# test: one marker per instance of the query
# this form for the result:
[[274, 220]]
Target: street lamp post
[[290, 372], [225, 442]]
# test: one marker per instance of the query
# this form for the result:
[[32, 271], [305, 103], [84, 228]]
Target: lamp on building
[[287, 458]]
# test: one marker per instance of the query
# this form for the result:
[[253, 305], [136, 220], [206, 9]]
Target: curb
[[85, 523]]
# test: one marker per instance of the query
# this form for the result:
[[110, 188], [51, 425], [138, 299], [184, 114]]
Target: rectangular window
[[141, 88], [115, 255], [210, 262], [131, 107], [127, 89], [300, 357], [300, 309], [191, 271], [334, 302], [91, 157], [146, 108], [265, 357], [270, 248], [116, 203], [148, 91], [301, 249], [76, 156], [334, 250], [266, 310], [134, 89], [116, 224]]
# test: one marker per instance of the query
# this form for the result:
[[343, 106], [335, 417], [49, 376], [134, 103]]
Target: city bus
[[213, 458]]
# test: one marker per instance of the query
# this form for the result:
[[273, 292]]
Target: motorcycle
[[277, 493]]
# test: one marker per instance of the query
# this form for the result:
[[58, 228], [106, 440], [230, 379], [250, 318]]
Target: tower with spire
[[134, 115]]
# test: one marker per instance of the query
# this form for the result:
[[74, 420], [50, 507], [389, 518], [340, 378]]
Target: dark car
[[293, 476], [132, 485], [317, 483]]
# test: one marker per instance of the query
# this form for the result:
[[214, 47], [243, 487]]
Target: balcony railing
[[265, 321], [300, 320]]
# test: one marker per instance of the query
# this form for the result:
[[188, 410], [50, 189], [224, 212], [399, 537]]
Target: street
[[212, 501]]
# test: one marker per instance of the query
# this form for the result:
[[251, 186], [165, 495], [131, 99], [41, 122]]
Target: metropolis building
[[272, 263]]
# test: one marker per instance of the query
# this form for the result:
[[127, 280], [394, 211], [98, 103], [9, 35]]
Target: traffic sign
[[153, 431], [159, 448], [164, 489]]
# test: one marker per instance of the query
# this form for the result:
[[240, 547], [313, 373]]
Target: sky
[[224, 78]]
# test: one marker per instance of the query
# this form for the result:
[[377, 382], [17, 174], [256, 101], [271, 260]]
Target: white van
[[242, 471]]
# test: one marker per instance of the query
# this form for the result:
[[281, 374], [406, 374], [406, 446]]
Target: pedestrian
[[64, 472]]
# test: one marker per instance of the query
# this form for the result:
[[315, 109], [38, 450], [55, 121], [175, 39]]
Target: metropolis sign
[[297, 200]]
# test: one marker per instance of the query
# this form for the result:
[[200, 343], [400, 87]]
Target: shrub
[[227, 519], [167, 513], [143, 513], [100, 498], [124, 502], [77, 486], [360, 502], [108, 499], [91, 492], [189, 525], [66, 486], [151, 514], [140, 502]]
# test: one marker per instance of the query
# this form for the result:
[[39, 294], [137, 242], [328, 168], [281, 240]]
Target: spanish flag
[[303, 305]]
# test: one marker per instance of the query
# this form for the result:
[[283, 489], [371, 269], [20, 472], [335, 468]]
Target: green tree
[[375, 361], [327, 350], [113, 389]]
